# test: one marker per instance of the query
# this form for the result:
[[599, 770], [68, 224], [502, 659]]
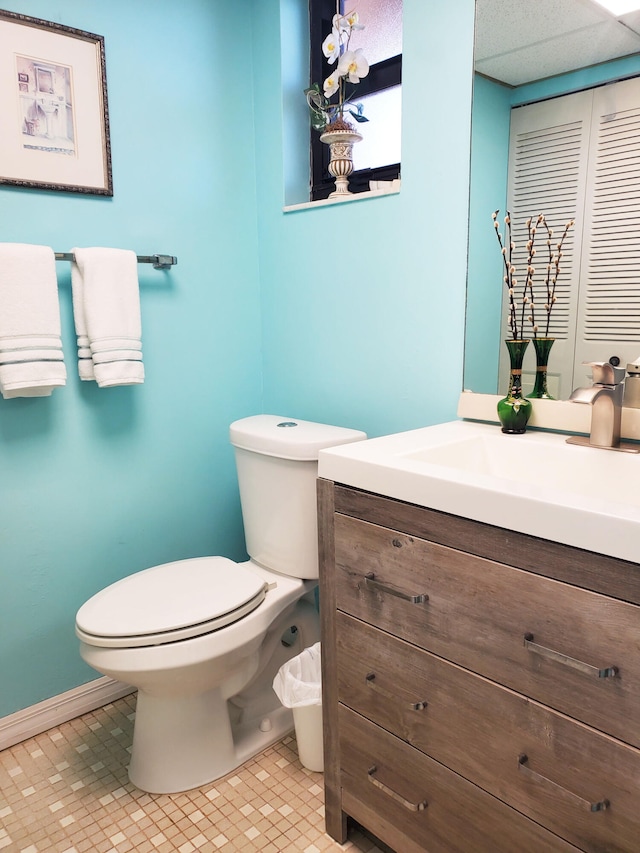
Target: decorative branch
[[507, 249], [553, 271], [529, 296]]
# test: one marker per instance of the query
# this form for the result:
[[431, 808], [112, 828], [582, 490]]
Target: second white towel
[[106, 309]]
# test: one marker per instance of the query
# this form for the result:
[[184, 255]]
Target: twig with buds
[[529, 297], [507, 248], [553, 272]]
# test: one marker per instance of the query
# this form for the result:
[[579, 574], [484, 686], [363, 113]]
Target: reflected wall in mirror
[[526, 54]]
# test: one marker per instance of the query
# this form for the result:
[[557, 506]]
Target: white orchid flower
[[339, 23], [331, 45], [331, 84], [345, 23], [353, 65], [352, 20]]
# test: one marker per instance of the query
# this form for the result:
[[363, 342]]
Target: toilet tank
[[277, 463]]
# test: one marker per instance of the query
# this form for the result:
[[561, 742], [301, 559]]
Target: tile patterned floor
[[67, 791]]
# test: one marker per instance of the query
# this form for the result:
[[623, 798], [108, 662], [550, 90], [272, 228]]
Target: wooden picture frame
[[53, 107]]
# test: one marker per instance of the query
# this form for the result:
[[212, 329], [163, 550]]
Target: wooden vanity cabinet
[[481, 688]]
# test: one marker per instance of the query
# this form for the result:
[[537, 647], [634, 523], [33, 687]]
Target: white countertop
[[533, 483]]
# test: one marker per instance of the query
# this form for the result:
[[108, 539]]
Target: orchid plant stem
[[350, 67]]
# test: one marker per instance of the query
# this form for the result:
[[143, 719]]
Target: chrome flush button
[[287, 424]]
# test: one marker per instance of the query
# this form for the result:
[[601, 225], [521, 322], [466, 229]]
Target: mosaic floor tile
[[67, 791]]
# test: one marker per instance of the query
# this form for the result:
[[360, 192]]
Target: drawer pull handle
[[413, 807], [563, 792], [370, 581], [370, 678], [551, 654]]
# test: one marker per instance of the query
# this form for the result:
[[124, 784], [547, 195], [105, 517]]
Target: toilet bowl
[[202, 639]]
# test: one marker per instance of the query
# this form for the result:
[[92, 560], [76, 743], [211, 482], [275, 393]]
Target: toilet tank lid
[[288, 438]]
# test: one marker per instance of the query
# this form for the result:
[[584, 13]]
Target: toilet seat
[[171, 602]]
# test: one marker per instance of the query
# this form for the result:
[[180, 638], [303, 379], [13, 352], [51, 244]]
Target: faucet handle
[[604, 373]]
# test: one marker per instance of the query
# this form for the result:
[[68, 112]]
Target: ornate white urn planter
[[341, 144]]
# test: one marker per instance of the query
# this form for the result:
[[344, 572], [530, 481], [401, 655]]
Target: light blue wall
[[96, 483], [352, 315], [575, 81], [363, 303], [490, 119]]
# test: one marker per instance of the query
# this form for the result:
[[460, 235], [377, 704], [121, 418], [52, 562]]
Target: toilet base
[[183, 742], [250, 739], [168, 757]]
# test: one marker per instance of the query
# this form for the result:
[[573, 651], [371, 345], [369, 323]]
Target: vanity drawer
[[385, 781], [574, 781], [570, 648]]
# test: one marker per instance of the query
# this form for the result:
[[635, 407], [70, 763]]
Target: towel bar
[[160, 262]]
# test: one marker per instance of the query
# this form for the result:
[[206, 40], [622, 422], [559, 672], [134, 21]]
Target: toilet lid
[[170, 602]]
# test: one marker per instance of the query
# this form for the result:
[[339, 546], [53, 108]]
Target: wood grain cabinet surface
[[474, 702]]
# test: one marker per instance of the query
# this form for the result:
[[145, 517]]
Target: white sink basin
[[533, 483], [539, 459]]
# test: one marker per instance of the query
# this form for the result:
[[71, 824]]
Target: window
[[377, 157]]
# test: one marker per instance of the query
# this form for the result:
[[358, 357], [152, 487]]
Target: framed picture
[[53, 107]]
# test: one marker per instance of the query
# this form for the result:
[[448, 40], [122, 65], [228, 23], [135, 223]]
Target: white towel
[[106, 309], [31, 360]]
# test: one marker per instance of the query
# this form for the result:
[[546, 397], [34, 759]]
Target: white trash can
[[298, 686]]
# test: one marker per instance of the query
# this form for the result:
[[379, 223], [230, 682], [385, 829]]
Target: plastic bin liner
[[298, 682]]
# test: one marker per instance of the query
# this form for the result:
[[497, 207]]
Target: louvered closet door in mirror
[[609, 303], [548, 159], [578, 157]]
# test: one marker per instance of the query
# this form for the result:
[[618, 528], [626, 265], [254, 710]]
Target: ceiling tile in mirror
[[584, 47], [632, 21], [502, 25], [519, 43]]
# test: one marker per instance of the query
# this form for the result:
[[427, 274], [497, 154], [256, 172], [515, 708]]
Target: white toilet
[[202, 639]]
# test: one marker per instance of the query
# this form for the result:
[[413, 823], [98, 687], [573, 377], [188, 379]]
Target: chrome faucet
[[605, 398]]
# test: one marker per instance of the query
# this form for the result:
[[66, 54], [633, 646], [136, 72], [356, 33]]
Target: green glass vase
[[514, 410], [542, 347]]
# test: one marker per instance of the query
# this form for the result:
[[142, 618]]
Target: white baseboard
[[52, 712]]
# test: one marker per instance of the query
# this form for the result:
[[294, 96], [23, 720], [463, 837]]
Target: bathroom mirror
[[526, 53]]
